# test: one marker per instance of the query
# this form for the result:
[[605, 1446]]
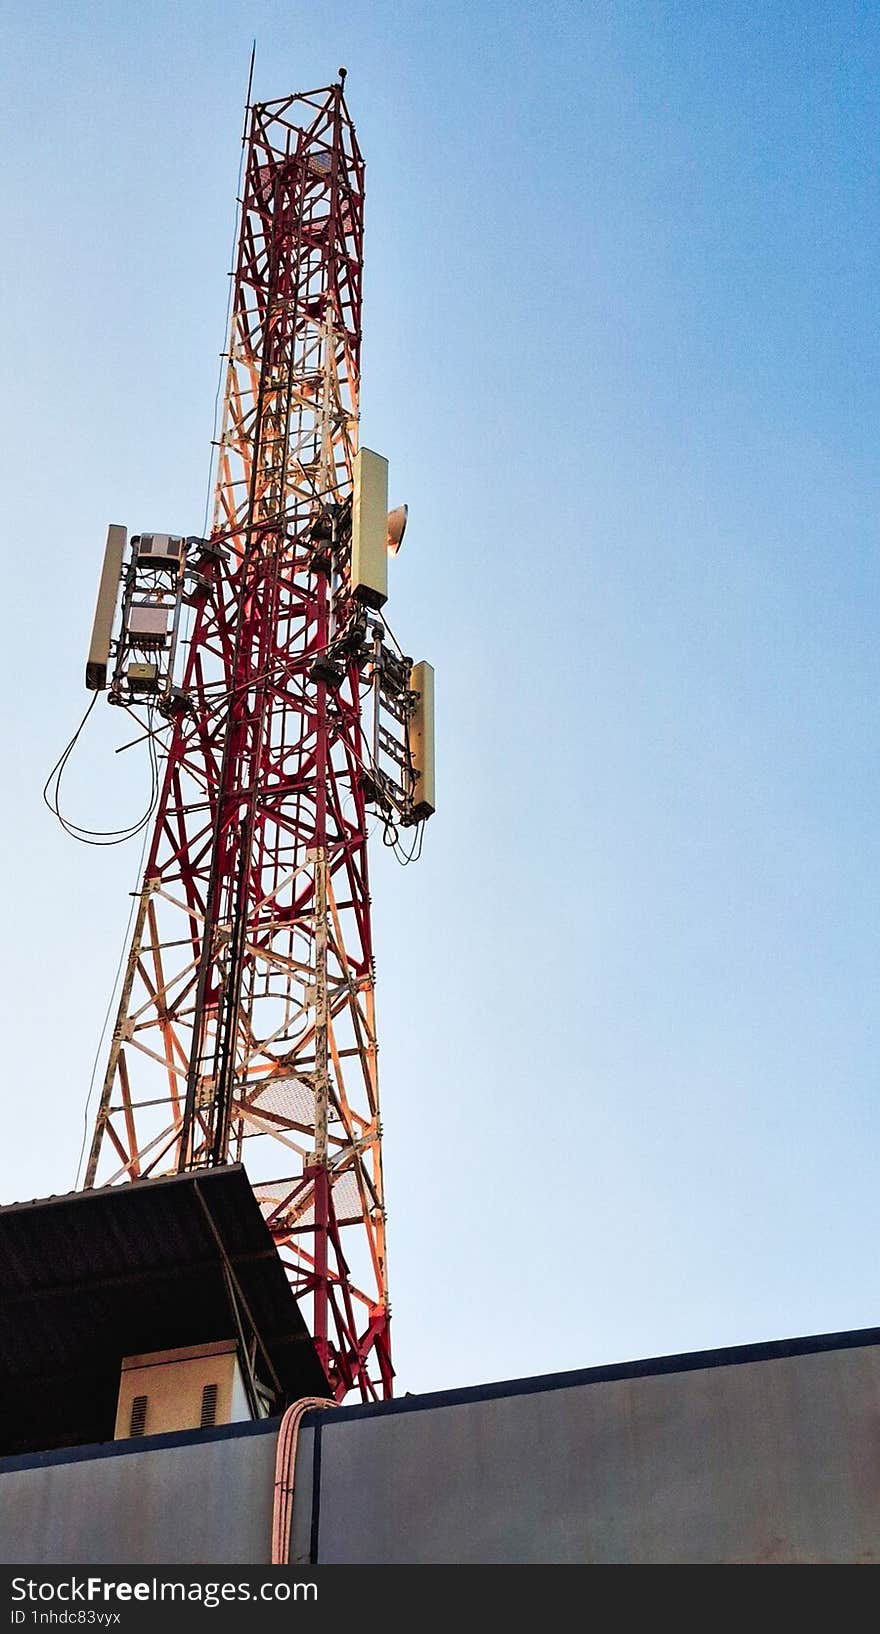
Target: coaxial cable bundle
[[97, 836]]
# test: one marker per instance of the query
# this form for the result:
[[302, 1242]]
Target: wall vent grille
[[138, 1421], [209, 1406]]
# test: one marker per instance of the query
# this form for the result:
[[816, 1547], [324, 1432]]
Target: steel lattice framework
[[246, 1028]]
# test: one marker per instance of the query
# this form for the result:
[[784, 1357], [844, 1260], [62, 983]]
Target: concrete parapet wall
[[767, 1453]]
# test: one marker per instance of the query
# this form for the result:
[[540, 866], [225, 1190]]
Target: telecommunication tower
[[285, 717]]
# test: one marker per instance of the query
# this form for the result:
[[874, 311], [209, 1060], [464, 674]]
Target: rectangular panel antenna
[[421, 740], [105, 610], [369, 528]]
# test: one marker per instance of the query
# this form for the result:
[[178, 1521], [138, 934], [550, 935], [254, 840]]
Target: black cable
[[135, 897], [239, 201], [415, 851], [97, 836], [51, 798]]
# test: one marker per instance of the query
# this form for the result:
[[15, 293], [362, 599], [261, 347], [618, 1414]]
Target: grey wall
[[199, 1502], [773, 1459], [766, 1461]]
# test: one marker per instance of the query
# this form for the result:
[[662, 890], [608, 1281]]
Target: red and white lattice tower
[[246, 1027]]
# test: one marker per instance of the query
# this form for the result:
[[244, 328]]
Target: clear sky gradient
[[621, 349]]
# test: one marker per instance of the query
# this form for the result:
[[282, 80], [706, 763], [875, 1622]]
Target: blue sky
[[621, 349]]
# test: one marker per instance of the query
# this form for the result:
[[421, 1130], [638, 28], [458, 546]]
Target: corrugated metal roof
[[90, 1277]]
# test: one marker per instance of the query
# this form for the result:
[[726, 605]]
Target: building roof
[[93, 1276]]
